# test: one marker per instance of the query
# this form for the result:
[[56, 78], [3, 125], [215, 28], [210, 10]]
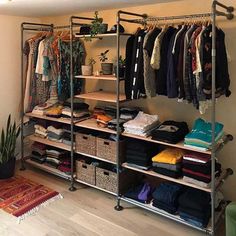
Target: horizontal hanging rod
[[133, 14], [37, 29], [228, 172], [152, 18], [229, 9], [131, 21], [229, 16], [35, 24], [81, 18]]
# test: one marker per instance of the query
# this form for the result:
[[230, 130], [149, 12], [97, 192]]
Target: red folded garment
[[196, 173], [197, 156]]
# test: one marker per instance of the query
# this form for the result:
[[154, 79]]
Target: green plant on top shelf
[[103, 56], [91, 61], [121, 61]]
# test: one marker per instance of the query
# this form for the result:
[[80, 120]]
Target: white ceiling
[[38, 8]]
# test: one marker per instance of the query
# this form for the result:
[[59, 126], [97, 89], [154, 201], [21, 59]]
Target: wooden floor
[[88, 212]]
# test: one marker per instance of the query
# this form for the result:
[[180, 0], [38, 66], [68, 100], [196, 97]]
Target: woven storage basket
[[106, 179], [106, 149], [85, 172], [85, 144]]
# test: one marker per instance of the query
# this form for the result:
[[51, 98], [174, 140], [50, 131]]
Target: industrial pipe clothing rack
[[143, 19]]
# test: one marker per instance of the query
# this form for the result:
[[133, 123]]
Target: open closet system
[[117, 98]]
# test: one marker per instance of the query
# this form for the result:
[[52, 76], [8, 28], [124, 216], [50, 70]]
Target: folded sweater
[[169, 155]]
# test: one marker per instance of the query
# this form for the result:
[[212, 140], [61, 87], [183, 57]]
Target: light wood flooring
[[88, 212]]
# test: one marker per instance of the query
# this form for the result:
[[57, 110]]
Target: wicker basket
[[106, 179], [106, 149], [85, 172], [85, 144]]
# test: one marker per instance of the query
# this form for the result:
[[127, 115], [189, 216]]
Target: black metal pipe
[[132, 14], [132, 21], [81, 18], [36, 24], [229, 9]]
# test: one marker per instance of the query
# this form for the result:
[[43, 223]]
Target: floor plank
[[88, 212]]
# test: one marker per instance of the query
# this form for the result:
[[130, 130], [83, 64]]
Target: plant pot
[[107, 68], [7, 170], [103, 28], [121, 71], [87, 70]]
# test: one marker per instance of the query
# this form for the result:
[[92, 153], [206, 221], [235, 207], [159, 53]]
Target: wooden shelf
[[102, 35], [43, 117], [178, 145], [92, 124], [48, 169], [179, 181], [101, 96], [50, 143], [100, 77], [94, 186]]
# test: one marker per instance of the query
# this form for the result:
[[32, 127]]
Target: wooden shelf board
[[100, 77], [43, 117], [48, 169], [92, 124], [102, 35], [101, 96], [178, 145], [153, 173], [94, 186], [50, 143]]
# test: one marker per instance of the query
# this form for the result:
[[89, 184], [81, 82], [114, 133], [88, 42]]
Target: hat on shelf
[[85, 29], [114, 29]]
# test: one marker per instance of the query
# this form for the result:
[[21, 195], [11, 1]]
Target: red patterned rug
[[22, 197]]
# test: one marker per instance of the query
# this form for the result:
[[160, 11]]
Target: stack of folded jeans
[[55, 157], [139, 154], [194, 207], [141, 193], [201, 135], [165, 197], [197, 169], [142, 124], [169, 162], [38, 152], [40, 131], [55, 134], [170, 131]]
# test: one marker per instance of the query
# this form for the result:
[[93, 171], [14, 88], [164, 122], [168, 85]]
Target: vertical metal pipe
[[213, 116], [22, 100], [118, 207], [72, 188]]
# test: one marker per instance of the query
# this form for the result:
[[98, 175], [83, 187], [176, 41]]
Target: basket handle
[[106, 143], [84, 137], [84, 166], [106, 173]]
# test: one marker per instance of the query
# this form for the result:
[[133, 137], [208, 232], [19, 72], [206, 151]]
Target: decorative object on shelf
[[88, 69], [7, 149], [106, 67], [121, 67], [27, 199], [97, 26]]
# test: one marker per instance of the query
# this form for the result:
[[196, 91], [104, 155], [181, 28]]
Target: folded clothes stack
[[139, 154], [77, 104], [38, 152], [201, 135], [78, 115], [40, 131], [142, 124], [197, 169], [102, 120], [55, 111], [42, 108], [194, 207], [112, 124], [66, 137], [110, 111], [169, 162], [170, 131], [55, 134], [65, 166], [54, 157], [165, 197], [98, 111], [141, 193], [127, 113]]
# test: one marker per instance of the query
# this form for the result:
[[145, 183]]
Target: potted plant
[[106, 67], [7, 149], [97, 26], [121, 67], [88, 69]]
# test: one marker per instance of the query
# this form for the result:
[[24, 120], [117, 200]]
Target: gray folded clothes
[[55, 140], [196, 182], [55, 131], [54, 135], [173, 167], [40, 128]]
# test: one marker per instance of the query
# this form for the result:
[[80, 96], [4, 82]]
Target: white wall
[[10, 65]]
